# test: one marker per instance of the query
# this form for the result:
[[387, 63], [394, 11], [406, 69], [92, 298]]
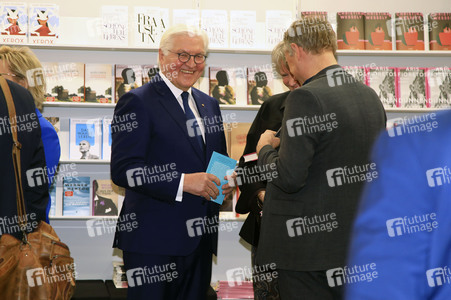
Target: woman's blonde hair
[[22, 62], [278, 58]]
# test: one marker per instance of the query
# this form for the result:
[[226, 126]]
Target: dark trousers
[[263, 289], [296, 285], [169, 277]]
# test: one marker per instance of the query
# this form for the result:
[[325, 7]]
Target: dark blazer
[[32, 157], [269, 117], [160, 138], [304, 161]]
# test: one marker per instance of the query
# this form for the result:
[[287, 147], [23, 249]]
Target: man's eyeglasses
[[185, 57]]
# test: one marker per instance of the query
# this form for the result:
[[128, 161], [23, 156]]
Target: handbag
[[39, 266]]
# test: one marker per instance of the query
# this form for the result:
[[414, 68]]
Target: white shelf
[[84, 218], [80, 104]]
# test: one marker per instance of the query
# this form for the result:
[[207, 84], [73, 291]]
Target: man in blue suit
[[403, 226], [164, 134]]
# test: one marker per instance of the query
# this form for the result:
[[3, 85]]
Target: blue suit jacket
[[410, 253], [157, 141]]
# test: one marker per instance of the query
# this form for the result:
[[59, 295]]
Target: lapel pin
[[203, 105]]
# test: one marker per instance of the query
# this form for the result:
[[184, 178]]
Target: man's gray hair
[[166, 42]]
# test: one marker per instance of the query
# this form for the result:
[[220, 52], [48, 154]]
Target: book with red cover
[[377, 33], [383, 81], [412, 92], [409, 29], [350, 30], [440, 31]]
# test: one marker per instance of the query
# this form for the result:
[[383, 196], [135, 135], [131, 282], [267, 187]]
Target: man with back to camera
[[175, 220], [328, 127]]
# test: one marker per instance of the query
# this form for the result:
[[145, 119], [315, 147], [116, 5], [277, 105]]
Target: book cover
[[52, 194], [409, 28], [378, 35], [220, 166], [357, 72], [98, 83], [43, 24], [243, 28], [350, 30], [186, 16], [150, 24], [65, 82], [238, 137], [383, 81], [76, 196], [105, 197], [222, 85], [85, 138], [314, 14], [412, 92], [106, 138], [277, 22], [55, 121], [439, 87], [215, 23], [439, 31], [149, 71], [114, 25], [13, 23], [127, 78], [260, 84]]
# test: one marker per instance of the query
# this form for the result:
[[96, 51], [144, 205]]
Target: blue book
[[220, 166], [52, 193], [76, 196]]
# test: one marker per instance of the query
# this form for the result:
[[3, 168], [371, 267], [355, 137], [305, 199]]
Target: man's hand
[[202, 184], [261, 195], [230, 185], [268, 138]]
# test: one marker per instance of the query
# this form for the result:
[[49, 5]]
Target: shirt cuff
[[179, 196]]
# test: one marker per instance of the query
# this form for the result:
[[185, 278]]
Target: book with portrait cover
[[409, 29], [277, 22], [350, 30], [85, 138], [359, 73], [215, 23], [150, 23], [98, 83], [65, 81], [412, 91], [115, 25], [106, 138], [13, 23], [378, 34], [223, 85], [383, 81], [439, 87], [43, 24], [243, 28], [106, 197], [439, 31], [76, 196], [260, 84], [127, 78], [149, 72]]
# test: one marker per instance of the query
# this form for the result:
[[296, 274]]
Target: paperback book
[[378, 34], [127, 78], [277, 22], [150, 24], [65, 82], [439, 87], [350, 30], [105, 197], [226, 85], [412, 92], [98, 83], [76, 196], [85, 139], [243, 28], [215, 24], [149, 72], [440, 31], [260, 84], [43, 24], [409, 29], [115, 25], [106, 138], [13, 23], [359, 73], [383, 81]]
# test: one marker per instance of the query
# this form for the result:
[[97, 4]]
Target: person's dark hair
[[222, 78], [261, 79]]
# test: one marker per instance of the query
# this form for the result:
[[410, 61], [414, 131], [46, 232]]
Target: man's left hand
[[268, 138]]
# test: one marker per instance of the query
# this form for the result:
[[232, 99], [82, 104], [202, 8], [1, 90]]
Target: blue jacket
[[404, 224]]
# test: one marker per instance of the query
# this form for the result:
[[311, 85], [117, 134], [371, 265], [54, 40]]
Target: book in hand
[[378, 34], [439, 31], [85, 139], [409, 29], [220, 166], [439, 87], [105, 197], [350, 30], [98, 83], [412, 92], [44, 22], [76, 196], [65, 81], [383, 81], [127, 78], [13, 23]]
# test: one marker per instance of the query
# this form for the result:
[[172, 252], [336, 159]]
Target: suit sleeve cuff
[[179, 196]]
